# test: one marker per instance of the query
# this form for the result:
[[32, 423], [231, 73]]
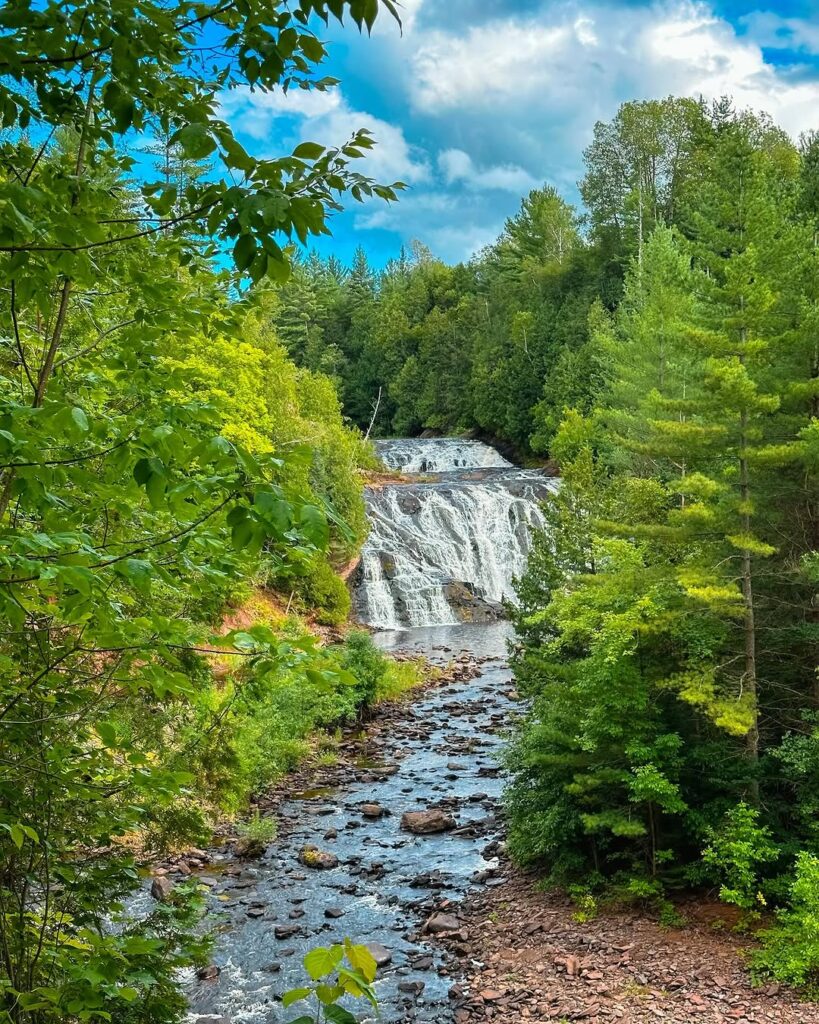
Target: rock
[[372, 810], [211, 1018], [380, 954], [250, 849], [209, 973], [427, 822], [333, 912], [331, 833], [286, 931], [490, 995], [319, 860], [414, 988], [162, 889], [439, 923]]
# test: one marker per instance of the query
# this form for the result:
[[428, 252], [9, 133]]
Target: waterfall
[[445, 549], [438, 455]]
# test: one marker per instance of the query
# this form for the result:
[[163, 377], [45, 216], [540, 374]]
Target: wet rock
[[427, 822], [286, 931], [372, 810], [209, 973], [333, 912], [162, 889], [414, 988], [211, 1018], [249, 849], [379, 953], [439, 923], [319, 860], [331, 833]]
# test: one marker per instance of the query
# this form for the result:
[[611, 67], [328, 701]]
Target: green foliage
[[336, 972], [790, 947], [736, 850], [667, 633], [456, 348], [142, 482], [362, 659], [321, 589]]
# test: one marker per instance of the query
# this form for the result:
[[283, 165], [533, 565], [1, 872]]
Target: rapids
[[446, 547]]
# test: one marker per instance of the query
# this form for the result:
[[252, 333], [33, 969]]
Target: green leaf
[[244, 251], [329, 993], [308, 151], [242, 534], [338, 1015], [196, 141], [294, 995], [107, 733], [313, 525], [79, 417], [312, 48], [18, 836], [362, 960], [323, 961]]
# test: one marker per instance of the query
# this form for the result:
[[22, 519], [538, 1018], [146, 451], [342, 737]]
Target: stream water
[[438, 751]]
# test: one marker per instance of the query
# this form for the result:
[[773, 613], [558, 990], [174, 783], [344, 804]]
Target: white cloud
[[570, 61], [325, 117], [453, 225], [255, 111], [770, 29], [458, 166]]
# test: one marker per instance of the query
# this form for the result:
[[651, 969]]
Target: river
[[442, 552]]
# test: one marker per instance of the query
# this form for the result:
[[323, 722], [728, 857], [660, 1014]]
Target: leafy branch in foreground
[[333, 979], [129, 510]]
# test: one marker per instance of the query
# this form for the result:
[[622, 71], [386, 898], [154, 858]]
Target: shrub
[[255, 835], [362, 659], [180, 823], [734, 853], [790, 947], [323, 592]]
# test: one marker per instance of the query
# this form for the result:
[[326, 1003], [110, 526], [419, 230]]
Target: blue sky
[[477, 101]]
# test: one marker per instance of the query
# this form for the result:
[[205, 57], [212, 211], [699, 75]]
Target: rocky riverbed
[[399, 845], [378, 847]]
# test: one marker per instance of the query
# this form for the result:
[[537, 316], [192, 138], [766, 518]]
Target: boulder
[[427, 822], [162, 889], [379, 953], [439, 923], [319, 860], [372, 810]]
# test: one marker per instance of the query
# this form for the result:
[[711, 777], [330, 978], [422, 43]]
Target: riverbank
[[527, 958]]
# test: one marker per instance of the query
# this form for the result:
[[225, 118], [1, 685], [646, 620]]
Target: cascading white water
[[438, 455], [446, 551]]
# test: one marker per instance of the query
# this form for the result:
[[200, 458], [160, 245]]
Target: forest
[[188, 393]]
